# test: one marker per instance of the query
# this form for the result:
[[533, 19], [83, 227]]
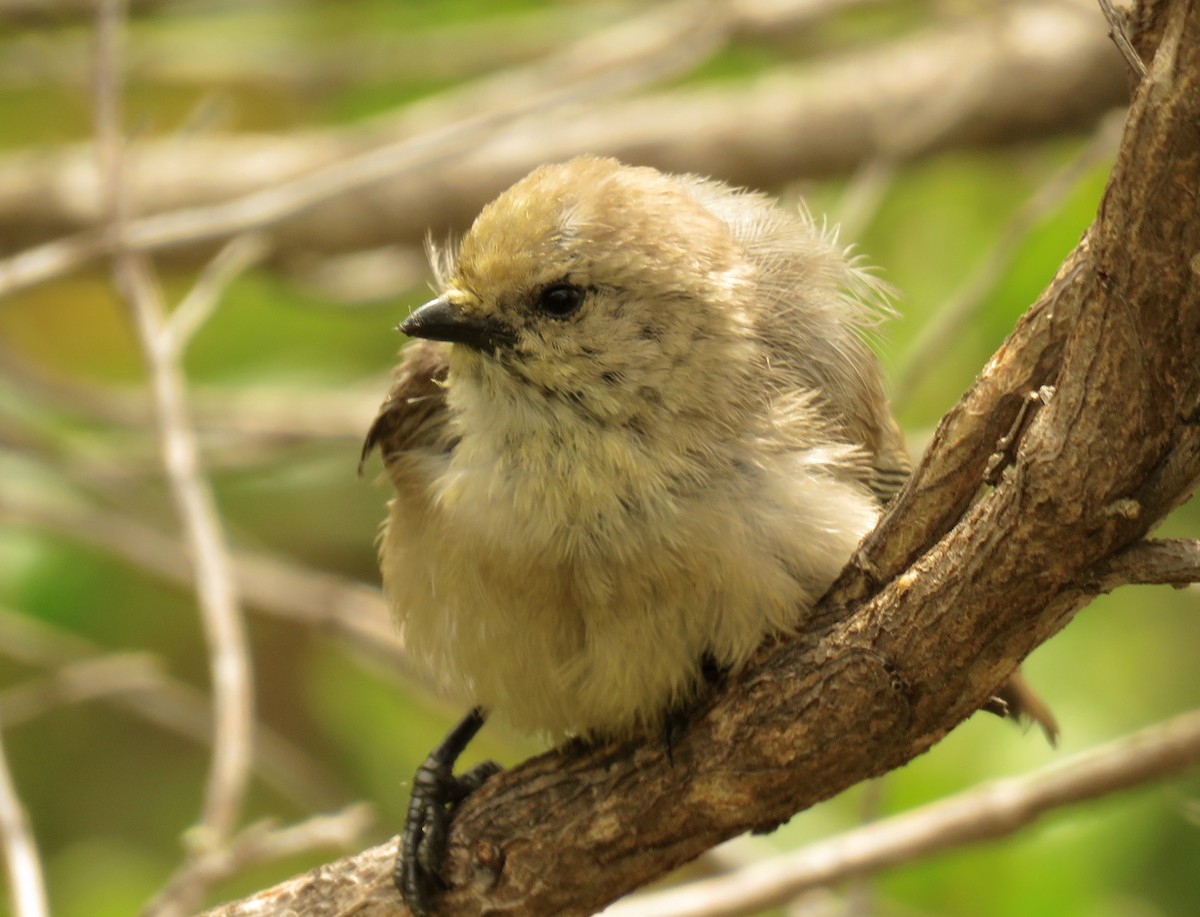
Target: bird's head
[[608, 289]]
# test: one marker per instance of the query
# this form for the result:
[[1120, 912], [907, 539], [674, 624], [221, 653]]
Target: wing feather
[[414, 415]]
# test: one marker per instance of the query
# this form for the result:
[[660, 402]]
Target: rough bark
[[943, 601]]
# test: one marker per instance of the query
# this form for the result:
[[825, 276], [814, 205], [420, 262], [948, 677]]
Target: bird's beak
[[441, 320]]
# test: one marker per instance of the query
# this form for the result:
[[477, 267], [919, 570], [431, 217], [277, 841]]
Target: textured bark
[[943, 601]]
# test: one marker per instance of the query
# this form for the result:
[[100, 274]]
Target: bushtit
[[643, 432]]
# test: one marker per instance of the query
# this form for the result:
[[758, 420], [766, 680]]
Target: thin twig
[[263, 415], [224, 630], [864, 194], [27, 889], [658, 44], [94, 678], [201, 300], [991, 811], [348, 608], [1118, 32], [956, 314], [215, 589], [262, 842], [147, 691]]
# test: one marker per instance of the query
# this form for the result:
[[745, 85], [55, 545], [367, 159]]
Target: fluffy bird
[[641, 432]]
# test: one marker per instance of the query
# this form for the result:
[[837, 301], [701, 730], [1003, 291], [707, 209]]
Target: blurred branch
[[201, 300], [77, 682], [1025, 70], [27, 888], [325, 601], [49, 11], [162, 342], [955, 315], [144, 689], [245, 415], [176, 53], [983, 813], [864, 194], [263, 842], [771, 18], [320, 167]]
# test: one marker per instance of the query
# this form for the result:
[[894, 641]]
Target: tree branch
[[161, 348], [272, 585], [982, 813], [956, 313], [1028, 70], [1174, 562], [27, 888], [262, 842], [138, 684], [954, 588]]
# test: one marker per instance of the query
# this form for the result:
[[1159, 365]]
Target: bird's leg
[[676, 720], [436, 793]]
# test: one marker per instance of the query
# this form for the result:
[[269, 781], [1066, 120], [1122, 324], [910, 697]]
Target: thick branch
[[953, 590], [981, 813]]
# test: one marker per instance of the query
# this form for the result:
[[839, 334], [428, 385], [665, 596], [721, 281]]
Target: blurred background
[[963, 147]]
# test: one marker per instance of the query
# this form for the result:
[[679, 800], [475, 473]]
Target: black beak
[[441, 320]]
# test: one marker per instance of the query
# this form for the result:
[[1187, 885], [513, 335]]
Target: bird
[[640, 429]]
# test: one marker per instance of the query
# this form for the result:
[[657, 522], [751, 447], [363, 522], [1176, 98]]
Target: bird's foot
[[436, 793]]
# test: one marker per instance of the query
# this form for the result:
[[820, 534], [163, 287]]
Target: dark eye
[[560, 299]]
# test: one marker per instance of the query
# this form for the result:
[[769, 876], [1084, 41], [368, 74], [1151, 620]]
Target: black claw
[[674, 728], [436, 793], [676, 722]]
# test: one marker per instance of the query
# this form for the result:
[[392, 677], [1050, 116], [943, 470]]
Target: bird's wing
[[890, 464], [414, 415]]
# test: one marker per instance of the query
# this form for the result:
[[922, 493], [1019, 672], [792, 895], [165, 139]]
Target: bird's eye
[[560, 299]]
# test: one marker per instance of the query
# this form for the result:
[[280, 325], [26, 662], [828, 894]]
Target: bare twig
[[262, 842], [983, 813], [863, 196], [1118, 32], [272, 585], [798, 121], [27, 889], [250, 415], [142, 688], [215, 589], [364, 276], [195, 308], [93, 678], [773, 17], [660, 43], [956, 314]]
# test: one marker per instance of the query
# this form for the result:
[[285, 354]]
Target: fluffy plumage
[[587, 504]]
